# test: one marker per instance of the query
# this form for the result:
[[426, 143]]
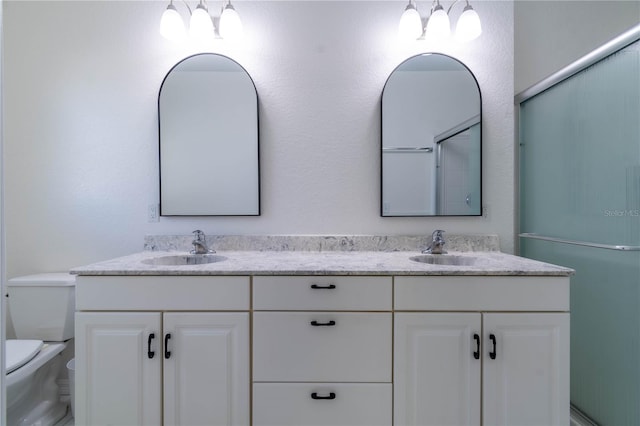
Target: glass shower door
[[580, 207]]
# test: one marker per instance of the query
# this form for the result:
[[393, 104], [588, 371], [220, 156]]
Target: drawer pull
[[150, 353], [323, 324], [492, 354], [323, 287], [167, 354], [476, 354], [331, 395]]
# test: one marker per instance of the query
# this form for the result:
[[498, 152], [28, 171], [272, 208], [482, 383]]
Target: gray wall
[[550, 35]]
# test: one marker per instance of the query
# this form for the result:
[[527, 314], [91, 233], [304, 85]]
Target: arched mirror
[[431, 139], [208, 126]]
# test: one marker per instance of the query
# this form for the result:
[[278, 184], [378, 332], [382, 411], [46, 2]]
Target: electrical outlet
[[152, 213]]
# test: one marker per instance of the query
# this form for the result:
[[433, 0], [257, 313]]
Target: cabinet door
[[206, 369], [118, 367], [527, 381], [437, 369]]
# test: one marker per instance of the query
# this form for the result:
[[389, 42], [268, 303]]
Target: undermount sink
[[184, 259], [444, 259]]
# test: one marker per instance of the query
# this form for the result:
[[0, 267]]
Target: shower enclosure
[[579, 136]]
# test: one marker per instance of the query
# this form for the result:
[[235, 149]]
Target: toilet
[[42, 308]]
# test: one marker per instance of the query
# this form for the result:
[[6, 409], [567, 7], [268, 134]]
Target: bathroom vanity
[[323, 338]]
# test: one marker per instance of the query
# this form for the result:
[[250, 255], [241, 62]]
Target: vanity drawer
[[482, 293], [158, 293], [340, 347], [334, 293], [293, 404]]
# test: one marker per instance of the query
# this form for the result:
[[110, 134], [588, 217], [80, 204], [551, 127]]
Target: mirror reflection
[[431, 139], [208, 126]]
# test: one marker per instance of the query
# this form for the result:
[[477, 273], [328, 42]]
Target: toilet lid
[[19, 352]]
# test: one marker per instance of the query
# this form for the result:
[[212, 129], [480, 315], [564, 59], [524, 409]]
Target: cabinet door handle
[[492, 354], [167, 354], [476, 353], [323, 324], [150, 353], [331, 395], [323, 287]]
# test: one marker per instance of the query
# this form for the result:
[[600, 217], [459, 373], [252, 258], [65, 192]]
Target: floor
[[68, 420]]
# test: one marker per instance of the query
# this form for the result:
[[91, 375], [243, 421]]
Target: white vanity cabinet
[[322, 350], [143, 359], [481, 350], [420, 347]]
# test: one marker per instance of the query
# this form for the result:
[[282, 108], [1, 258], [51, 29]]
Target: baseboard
[[578, 418]]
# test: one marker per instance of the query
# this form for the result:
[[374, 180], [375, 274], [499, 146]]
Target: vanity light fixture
[[410, 27], [230, 23], [171, 25], [438, 25], [200, 23], [468, 26]]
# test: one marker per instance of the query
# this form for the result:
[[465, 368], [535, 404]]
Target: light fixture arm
[[201, 2], [188, 8], [185, 3], [434, 6], [436, 3], [227, 5], [454, 3]]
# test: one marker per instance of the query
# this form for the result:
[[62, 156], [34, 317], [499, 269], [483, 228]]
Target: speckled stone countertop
[[321, 255]]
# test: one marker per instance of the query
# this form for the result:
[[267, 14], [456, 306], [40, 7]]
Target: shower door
[[580, 207]]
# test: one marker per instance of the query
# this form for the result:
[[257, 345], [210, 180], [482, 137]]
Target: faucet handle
[[199, 235], [437, 243], [438, 233]]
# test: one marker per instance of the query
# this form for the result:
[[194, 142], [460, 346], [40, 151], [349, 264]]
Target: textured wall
[[552, 34], [81, 83]]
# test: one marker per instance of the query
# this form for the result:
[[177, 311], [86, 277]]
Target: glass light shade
[[468, 26], [230, 24], [410, 27], [201, 25], [438, 25], [171, 25]]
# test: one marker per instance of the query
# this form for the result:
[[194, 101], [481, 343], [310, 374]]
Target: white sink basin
[[184, 259], [445, 259]]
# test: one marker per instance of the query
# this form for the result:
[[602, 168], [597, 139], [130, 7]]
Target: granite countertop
[[324, 263], [324, 256]]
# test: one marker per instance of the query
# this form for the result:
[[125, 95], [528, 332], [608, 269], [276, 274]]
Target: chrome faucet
[[437, 243], [200, 243]]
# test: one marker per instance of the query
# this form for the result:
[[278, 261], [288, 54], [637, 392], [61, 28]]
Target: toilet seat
[[19, 352]]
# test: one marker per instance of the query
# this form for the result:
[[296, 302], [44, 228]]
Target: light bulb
[[410, 27], [171, 25], [230, 24], [200, 24], [438, 25], [468, 26]]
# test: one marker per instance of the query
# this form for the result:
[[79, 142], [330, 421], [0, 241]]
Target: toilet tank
[[42, 306]]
